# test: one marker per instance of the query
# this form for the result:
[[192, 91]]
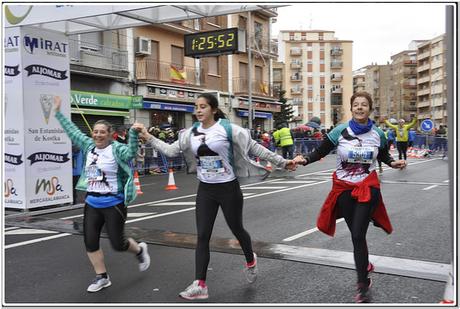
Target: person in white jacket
[[219, 152]]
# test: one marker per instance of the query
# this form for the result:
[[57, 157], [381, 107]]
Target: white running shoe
[[144, 258], [99, 283], [195, 291], [251, 272]]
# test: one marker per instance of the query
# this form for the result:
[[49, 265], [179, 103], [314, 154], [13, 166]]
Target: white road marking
[[446, 180], [308, 232], [412, 183], [287, 189], [176, 204], [430, 187], [140, 214], [248, 193], [29, 232], [10, 228], [161, 215], [28, 242], [264, 188], [294, 181]]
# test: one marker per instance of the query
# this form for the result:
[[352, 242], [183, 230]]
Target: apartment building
[[318, 74], [378, 82], [431, 81], [359, 80], [99, 78], [170, 82], [404, 94]]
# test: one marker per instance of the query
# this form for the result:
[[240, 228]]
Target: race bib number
[[93, 173], [361, 155], [212, 164]]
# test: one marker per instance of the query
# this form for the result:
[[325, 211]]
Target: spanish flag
[[177, 75]]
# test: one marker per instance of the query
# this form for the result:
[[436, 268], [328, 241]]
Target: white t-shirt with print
[[101, 171], [214, 166]]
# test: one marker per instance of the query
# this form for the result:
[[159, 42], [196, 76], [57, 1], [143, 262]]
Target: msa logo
[[49, 186], [12, 70], [9, 188], [51, 47]]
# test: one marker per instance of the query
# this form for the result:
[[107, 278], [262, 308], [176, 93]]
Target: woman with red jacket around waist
[[355, 193]]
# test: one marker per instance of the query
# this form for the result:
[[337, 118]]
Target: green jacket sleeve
[[128, 152], [411, 124], [394, 127], [76, 136]]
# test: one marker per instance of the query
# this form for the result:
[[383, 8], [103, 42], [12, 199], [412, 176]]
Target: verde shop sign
[[93, 99]]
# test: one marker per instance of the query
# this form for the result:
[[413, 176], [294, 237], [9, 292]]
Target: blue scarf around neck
[[360, 128]]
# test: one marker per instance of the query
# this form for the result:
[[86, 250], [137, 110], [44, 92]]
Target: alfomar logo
[[13, 159], [12, 70], [50, 186], [55, 48], [9, 188], [38, 69], [48, 157], [16, 18]]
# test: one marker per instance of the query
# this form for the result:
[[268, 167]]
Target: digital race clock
[[214, 43]]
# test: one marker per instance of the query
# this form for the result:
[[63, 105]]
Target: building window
[[322, 86], [213, 65], [259, 73], [177, 56], [212, 20], [91, 41], [258, 33]]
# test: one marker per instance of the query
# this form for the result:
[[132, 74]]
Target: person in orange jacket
[[355, 193]]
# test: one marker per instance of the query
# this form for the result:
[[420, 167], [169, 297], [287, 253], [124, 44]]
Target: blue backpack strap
[[228, 128]]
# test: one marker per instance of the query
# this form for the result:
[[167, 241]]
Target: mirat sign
[[32, 43]]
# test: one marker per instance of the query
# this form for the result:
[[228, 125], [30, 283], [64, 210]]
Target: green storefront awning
[[100, 112]]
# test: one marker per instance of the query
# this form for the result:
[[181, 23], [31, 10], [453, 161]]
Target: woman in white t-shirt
[[219, 152]]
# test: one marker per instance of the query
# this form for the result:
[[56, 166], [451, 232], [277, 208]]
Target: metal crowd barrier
[[155, 163]]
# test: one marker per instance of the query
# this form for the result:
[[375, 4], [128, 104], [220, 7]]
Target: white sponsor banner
[[14, 161], [46, 149]]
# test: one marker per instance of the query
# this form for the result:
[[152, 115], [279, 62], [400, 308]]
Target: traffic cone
[[137, 183], [269, 166], [171, 183]]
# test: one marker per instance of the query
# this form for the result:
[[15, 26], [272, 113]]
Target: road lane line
[[430, 187], [10, 228], [176, 204], [287, 189], [161, 215], [446, 180], [28, 242], [308, 232], [264, 188], [27, 231], [294, 181], [413, 183]]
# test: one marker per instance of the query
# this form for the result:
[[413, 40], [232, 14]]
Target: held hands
[[140, 128], [401, 164], [299, 159], [290, 165]]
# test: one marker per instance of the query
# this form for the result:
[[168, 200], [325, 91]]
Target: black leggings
[[357, 216], [230, 198], [114, 219], [402, 150]]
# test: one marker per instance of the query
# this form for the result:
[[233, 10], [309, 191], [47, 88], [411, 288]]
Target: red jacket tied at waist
[[360, 191]]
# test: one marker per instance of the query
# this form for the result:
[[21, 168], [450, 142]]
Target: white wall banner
[[47, 156], [14, 186]]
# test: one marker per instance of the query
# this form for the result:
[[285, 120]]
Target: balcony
[[297, 77], [337, 91], [423, 67], [409, 86], [151, 70], [336, 64], [410, 62], [424, 79], [296, 65], [437, 64], [297, 101], [423, 55], [336, 51], [99, 57], [296, 90], [336, 99], [424, 116], [409, 108], [337, 78], [260, 88], [295, 52], [409, 73], [424, 91], [423, 104]]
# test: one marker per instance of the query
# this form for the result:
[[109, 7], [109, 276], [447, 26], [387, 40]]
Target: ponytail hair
[[212, 101]]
